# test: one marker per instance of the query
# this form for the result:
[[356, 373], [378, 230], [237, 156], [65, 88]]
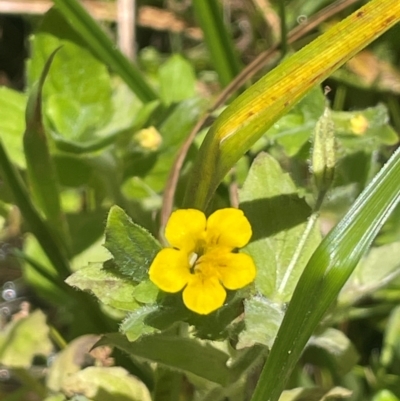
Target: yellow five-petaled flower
[[200, 260]]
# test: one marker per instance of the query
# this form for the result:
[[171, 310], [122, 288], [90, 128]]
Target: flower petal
[[204, 295], [228, 227], [184, 228], [236, 270], [170, 270]]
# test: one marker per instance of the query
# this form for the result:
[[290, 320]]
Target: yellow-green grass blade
[[252, 113], [218, 40], [326, 273], [103, 47]]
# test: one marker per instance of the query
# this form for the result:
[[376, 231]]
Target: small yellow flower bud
[[149, 138]]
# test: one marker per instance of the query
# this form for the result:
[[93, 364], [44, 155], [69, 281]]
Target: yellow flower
[[201, 260]]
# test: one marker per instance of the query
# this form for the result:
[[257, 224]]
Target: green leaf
[[332, 349], [172, 352], [42, 174], [23, 339], [373, 272], [146, 292], [261, 331], [110, 289], [78, 89], [101, 45], [177, 80], [135, 326], [100, 383], [132, 246], [12, 125], [278, 217]]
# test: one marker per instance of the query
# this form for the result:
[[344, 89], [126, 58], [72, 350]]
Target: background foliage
[[231, 109]]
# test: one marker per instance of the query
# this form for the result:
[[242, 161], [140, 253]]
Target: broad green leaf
[[278, 217], [132, 246], [12, 123], [177, 80], [77, 93], [23, 339], [42, 174], [326, 273], [381, 265], [107, 287], [70, 360], [100, 44], [331, 349], [100, 383], [172, 352], [249, 116]]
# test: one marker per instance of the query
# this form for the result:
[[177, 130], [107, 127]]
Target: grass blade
[[326, 273], [41, 170], [218, 39], [252, 113]]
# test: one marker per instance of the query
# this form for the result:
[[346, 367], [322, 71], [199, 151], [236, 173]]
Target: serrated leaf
[[100, 383], [110, 288], [134, 326], [278, 217], [132, 246], [23, 339], [172, 352]]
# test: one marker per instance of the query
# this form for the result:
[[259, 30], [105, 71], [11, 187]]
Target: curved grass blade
[[218, 39], [104, 48], [326, 273], [41, 169], [252, 113], [36, 224]]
